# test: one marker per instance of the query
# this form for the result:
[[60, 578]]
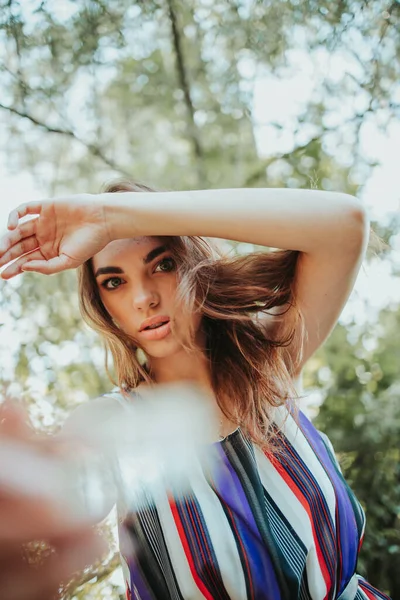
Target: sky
[[279, 100]]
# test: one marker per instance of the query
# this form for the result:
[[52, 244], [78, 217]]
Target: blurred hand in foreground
[[26, 517]]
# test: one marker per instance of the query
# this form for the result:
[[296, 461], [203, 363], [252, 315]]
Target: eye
[[112, 283], [166, 265]]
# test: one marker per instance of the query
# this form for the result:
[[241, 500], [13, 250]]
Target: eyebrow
[[146, 260]]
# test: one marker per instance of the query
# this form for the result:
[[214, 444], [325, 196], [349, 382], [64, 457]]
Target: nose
[[144, 297]]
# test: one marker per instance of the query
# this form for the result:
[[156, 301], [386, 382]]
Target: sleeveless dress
[[270, 527]]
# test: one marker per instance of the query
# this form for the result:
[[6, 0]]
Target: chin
[[163, 349]]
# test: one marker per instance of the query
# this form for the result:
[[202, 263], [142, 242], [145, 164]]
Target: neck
[[182, 366], [193, 368]]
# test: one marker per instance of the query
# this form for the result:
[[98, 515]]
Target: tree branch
[[184, 85], [260, 171], [93, 149], [102, 573]]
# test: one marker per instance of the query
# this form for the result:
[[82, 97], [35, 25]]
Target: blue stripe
[[232, 496], [201, 548], [300, 474], [347, 537]]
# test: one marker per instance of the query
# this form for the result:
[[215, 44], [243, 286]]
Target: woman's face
[[137, 281]]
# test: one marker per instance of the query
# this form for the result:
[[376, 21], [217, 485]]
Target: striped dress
[[269, 527]]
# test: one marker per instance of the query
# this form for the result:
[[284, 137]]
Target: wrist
[[121, 214], [136, 214]]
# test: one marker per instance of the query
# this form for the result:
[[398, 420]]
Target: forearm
[[280, 218]]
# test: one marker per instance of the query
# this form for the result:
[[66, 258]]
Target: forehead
[[118, 250]]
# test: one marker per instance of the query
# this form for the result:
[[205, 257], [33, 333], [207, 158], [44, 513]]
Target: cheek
[[169, 289], [111, 306]]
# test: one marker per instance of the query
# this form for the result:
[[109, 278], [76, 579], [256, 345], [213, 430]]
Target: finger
[[35, 480], [23, 518], [51, 266], [14, 421], [24, 230], [23, 247], [28, 514], [16, 267], [20, 580], [29, 208]]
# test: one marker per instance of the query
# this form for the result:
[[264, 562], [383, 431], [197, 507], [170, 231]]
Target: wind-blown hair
[[249, 366]]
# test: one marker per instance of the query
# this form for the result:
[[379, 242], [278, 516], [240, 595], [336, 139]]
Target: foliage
[[358, 372], [162, 91]]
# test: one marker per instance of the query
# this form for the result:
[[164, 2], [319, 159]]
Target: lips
[[153, 322], [157, 333]]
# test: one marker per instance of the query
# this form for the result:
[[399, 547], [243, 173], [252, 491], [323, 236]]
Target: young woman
[[280, 522]]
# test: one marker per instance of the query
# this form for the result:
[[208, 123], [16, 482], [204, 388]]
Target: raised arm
[[329, 229]]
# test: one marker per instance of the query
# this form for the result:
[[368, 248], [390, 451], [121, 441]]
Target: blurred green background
[[188, 94]]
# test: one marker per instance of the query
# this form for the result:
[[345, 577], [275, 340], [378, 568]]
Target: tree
[[357, 372], [107, 82], [162, 91]]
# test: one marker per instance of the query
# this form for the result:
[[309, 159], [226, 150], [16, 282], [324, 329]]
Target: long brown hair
[[248, 366]]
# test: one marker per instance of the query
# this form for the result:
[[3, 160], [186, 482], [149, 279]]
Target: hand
[[65, 233], [25, 519]]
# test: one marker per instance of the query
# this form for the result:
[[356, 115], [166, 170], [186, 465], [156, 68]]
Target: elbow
[[362, 220], [355, 205], [358, 224], [357, 210]]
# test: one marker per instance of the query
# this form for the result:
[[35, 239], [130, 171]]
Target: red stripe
[[300, 496], [244, 555], [128, 591], [185, 545], [364, 585], [193, 529], [201, 537], [326, 515], [369, 594]]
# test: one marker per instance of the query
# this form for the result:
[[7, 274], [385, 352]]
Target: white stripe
[[125, 571], [294, 554], [149, 525], [298, 518], [222, 538], [361, 594], [154, 538], [300, 443], [180, 565]]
